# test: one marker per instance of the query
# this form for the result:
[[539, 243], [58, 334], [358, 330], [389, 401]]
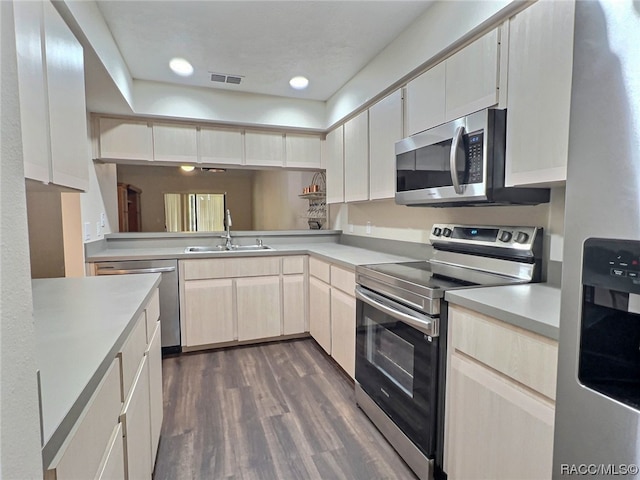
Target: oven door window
[[396, 365], [391, 355]]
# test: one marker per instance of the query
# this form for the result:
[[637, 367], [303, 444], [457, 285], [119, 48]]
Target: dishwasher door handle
[[417, 321], [108, 271]]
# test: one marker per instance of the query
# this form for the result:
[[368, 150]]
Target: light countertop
[[534, 306], [80, 324], [343, 255]]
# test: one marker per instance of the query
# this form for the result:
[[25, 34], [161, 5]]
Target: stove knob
[[437, 231], [446, 232], [505, 236], [522, 237]]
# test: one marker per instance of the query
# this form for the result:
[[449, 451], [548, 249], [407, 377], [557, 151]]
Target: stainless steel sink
[[223, 248]]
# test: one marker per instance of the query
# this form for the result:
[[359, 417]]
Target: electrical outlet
[[103, 219], [368, 228], [98, 229], [87, 231], [351, 228]]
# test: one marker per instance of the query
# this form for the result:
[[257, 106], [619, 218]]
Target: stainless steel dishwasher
[[169, 294]]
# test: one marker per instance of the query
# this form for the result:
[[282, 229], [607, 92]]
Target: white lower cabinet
[[500, 393], [343, 330], [332, 312], [293, 304], [258, 303], [117, 435], [320, 313], [226, 300], [112, 466], [136, 425], [156, 411], [208, 314]]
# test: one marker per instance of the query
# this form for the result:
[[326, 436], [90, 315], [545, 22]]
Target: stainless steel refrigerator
[[597, 423]]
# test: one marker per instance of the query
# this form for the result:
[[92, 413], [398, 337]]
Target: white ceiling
[[266, 42]]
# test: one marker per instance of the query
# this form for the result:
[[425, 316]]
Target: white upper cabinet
[[335, 165], [220, 146], [539, 96], [472, 77], [124, 139], [385, 129], [425, 102], [33, 99], [264, 149], [52, 99], [64, 60], [356, 158], [303, 151], [175, 143]]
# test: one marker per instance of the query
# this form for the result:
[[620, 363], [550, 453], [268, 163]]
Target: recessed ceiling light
[[299, 82], [188, 168], [181, 67]]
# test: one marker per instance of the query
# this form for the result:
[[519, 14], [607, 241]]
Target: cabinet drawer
[[112, 466], [291, 265], [343, 280], [231, 267], [524, 356], [152, 312], [320, 269], [81, 454], [131, 354]]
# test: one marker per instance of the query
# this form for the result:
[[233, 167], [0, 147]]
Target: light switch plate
[[87, 231], [368, 228], [102, 219]]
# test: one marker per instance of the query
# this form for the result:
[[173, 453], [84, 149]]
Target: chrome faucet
[[228, 227]]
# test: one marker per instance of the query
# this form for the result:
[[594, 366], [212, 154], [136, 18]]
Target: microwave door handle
[[425, 326], [453, 159]]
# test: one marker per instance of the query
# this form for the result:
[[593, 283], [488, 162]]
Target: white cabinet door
[[335, 165], [495, 429], [112, 467], [320, 313], [472, 77], [385, 129], [263, 149], [343, 330], [220, 146], [209, 312], [125, 139], [258, 303], [356, 158], [302, 151], [425, 100], [539, 97], [69, 137], [135, 420], [154, 353], [293, 304], [175, 143], [33, 99]]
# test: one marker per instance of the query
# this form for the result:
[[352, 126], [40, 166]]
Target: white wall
[[413, 224], [100, 197], [20, 456], [276, 204], [440, 27]]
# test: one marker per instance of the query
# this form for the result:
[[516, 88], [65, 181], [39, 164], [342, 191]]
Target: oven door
[[396, 364]]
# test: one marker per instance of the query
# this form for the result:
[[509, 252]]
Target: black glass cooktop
[[418, 273]]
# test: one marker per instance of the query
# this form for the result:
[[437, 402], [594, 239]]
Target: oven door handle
[[419, 322]]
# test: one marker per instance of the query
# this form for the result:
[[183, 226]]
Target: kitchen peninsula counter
[[80, 325], [534, 306]]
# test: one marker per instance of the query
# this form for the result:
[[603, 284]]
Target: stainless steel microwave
[[459, 163]]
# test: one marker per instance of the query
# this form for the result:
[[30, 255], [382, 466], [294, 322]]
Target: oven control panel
[[520, 238]]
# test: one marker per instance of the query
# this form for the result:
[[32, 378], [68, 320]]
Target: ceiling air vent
[[224, 78]]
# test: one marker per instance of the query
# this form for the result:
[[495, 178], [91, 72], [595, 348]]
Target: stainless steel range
[[401, 329]]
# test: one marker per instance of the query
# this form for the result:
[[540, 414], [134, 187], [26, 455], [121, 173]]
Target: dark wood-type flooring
[[274, 411]]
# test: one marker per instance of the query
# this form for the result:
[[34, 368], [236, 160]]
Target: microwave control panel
[[475, 147]]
